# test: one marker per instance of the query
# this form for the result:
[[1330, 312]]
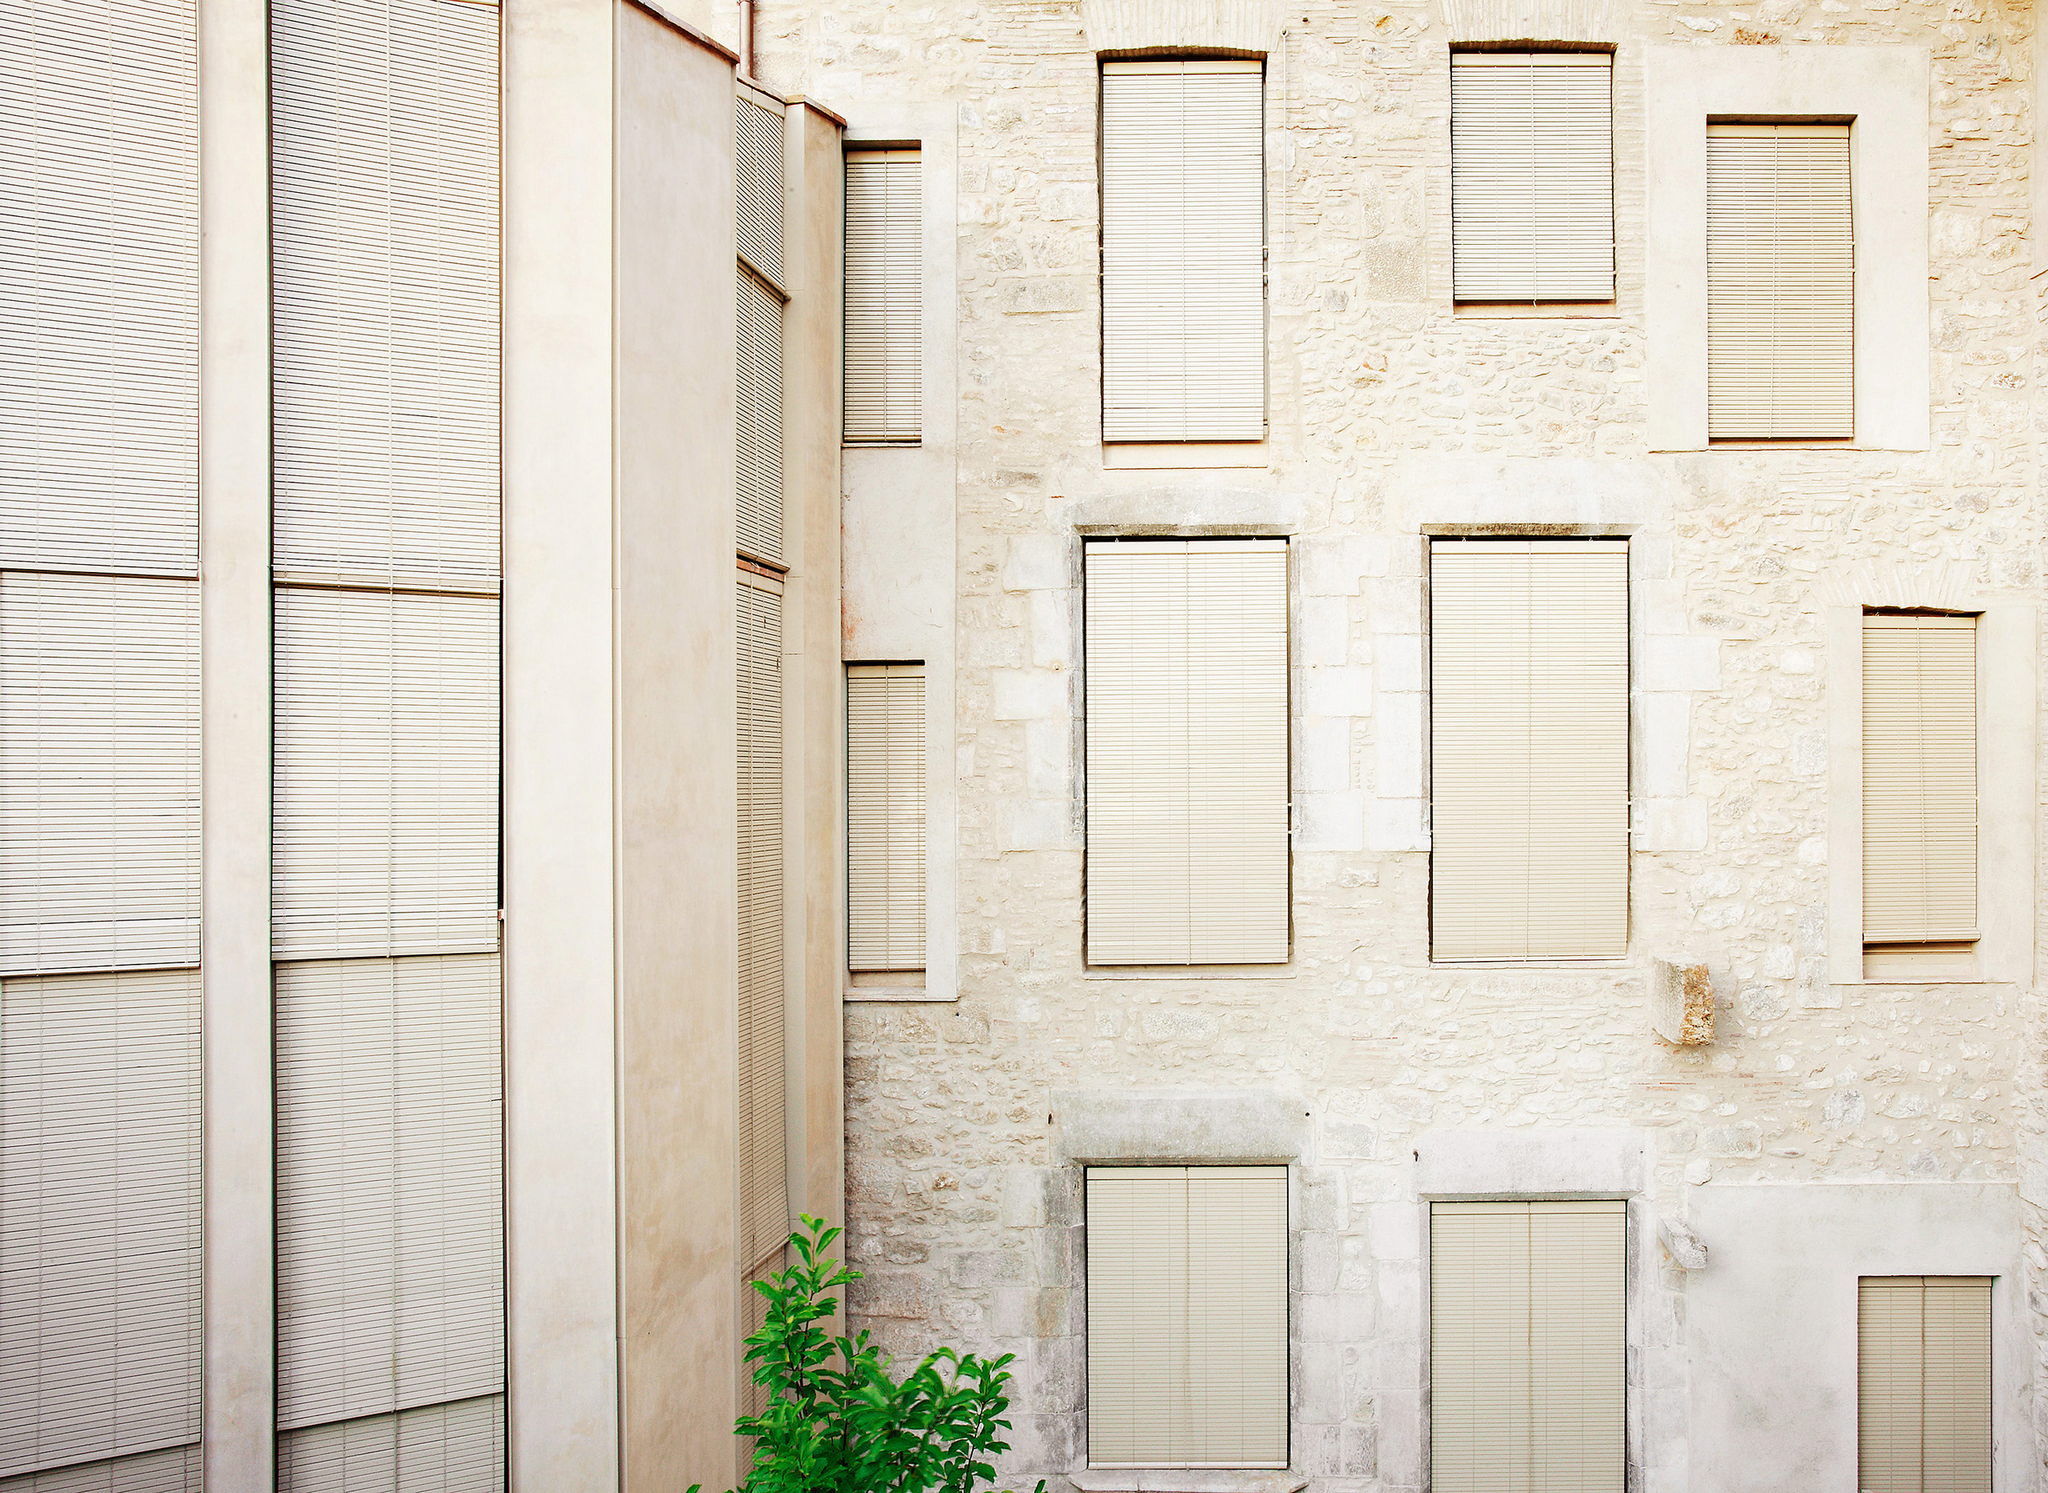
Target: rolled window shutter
[[764, 1204], [1187, 752], [1187, 1316], [386, 776], [1532, 176], [759, 517], [884, 296], [1183, 251], [384, 177], [390, 1250], [99, 1219], [1923, 1384], [458, 1448], [99, 288], [1781, 279], [758, 152], [1528, 1345], [1529, 749], [99, 772], [885, 816], [1919, 779]]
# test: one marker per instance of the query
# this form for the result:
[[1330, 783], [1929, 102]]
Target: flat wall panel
[[456, 1448], [173, 1470], [1187, 751], [99, 1222], [390, 1245], [885, 816], [884, 315], [386, 829], [384, 179], [99, 772], [1919, 778], [99, 287], [763, 1152]]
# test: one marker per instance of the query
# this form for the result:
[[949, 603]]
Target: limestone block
[[1682, 1003], [1686, 1249]]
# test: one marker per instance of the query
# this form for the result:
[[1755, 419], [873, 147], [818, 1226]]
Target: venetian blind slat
[[758, 520], [1183, 251], [1919, 778], [1532, 176], [1186, 683], [99, 287], [884, 296], [1529, 749], [385, 289], [758, 155], [1781, 276], [885, 816], [764, 1205]]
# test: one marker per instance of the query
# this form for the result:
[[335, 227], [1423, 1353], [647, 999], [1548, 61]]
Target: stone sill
[[1186, 1480], [1187, 972]]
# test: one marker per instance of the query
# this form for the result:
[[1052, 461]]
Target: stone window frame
[[1882, 92]]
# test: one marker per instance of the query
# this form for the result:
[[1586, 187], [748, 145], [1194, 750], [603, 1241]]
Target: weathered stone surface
[[1682, 1003]]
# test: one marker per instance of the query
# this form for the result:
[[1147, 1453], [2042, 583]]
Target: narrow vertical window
[[760, 298], [1923, 1384], [884, 297], [1528, 1342], [1187, 751], [1187, 1316], [885, 817], [1528, 749], [1183, 251], [763, 1186], [1919, 792], [1532, 176], [1781, 279]]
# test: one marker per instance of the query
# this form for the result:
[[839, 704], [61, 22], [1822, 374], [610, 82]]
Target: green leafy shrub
[[837, 1422]]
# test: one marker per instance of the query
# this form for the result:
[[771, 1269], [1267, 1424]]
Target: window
[[1527, 1335], [763, 1164], [757, 133], [1532, 176], [1919, 793], [884, 297], [1528, 749], [1187, 1316], [1186, 657], [885, 817], [1780, 283], [1923, 1384], [1183, 251]]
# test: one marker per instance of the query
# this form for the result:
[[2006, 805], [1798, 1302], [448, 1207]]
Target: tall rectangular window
[[763, 1139], [1532, 176], [1919, 791], [1187, 1316], [1781, 280], [1183, 251], [760, 187], [1528, 749], [884, 297], [1528, 1346], [1186, 658], [1923, 1384], [885, 817]]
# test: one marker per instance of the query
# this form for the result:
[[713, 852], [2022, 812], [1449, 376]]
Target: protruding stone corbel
[[1681, 1003], [1687, 1250]]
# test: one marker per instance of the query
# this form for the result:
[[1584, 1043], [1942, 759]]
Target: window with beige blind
[[763, 1137], [885, 817], [1529, 790], [1183, 250], [1919, 793], [1923, 1384], [1186, 696], [1187, 1316], [1527, 1346], [884, 325], [1532, 176], [1781, 277]]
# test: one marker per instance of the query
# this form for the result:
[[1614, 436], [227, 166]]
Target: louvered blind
[[758, 156], [1187, 751], [386, 819], [1919, 778], [764, 1205], [759, 517], [457, 1448], [384, 175], [1781, 279], [1528, 1305], [174, 1470], [99, 772], [390, 1254], [99, 287], [1187, 1316], [99, 1223], [1183, 251], [884, 296], [1532, 176], [1529, 749], [1923, 1384], [885, 816]]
